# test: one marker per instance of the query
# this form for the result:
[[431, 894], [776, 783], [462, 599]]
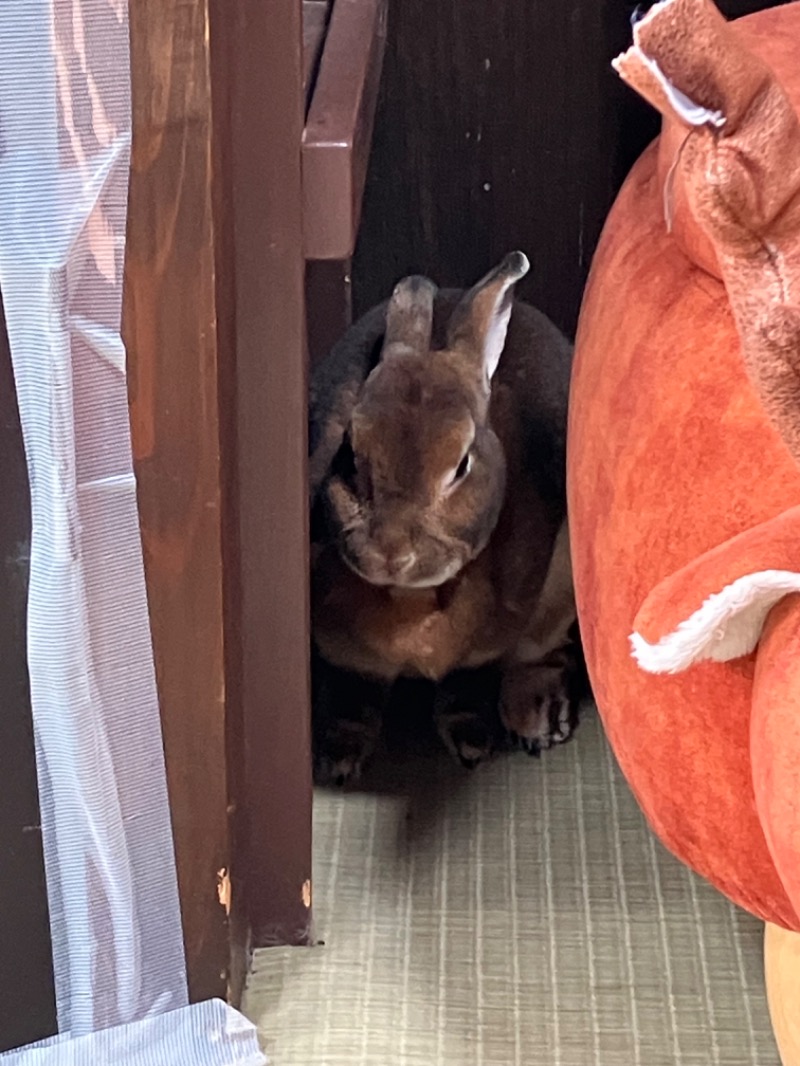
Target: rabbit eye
[[353, 473], [463, 468], [344, 465]]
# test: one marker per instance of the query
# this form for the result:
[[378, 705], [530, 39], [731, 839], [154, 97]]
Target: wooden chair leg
[[782, 963]]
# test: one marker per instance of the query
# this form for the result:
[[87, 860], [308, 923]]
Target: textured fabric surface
[[204, 1034], [770, 34], [520, 916], [775, 739], [112, 888], [670, 455], [770, 546]]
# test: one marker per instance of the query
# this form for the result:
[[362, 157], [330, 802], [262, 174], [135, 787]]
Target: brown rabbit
[[439, 521]]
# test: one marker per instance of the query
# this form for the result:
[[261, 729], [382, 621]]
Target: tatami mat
[[522, 915]]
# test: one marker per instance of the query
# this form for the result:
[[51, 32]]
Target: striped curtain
[[65, 132]]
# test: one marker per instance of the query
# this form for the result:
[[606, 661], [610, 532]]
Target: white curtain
[[65, 129]]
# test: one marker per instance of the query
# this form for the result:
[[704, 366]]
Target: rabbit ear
[[409, 317], [480, 320]]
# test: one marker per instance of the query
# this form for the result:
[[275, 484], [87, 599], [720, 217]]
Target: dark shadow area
[[411, 763], [500, 127], [27, 992]]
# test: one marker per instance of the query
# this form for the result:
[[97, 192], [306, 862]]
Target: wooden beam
[[338, 133], [170, 330], [500, 126], [258, 78]]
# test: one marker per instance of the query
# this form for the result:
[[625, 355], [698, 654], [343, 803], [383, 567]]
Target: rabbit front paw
[[341, 754], [467, 737], [466, 715], [347, 713], [536, 706]]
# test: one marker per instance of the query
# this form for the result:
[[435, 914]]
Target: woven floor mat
[[522, 915]]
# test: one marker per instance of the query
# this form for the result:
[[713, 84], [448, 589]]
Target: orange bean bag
[[684, 444]]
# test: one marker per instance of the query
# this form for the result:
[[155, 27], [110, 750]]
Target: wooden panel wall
[[27, 993], [171, 336], [500, 126]]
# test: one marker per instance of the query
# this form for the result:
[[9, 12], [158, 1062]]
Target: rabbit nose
[[401, 564]]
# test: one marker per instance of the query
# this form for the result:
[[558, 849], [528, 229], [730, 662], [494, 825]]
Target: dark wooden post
[[257, 76]]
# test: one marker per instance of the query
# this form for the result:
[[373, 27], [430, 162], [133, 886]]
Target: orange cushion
[[670, 455]]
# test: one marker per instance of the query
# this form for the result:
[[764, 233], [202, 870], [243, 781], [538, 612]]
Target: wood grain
[[171, 337], [338, 128], [329, 304], [257, 55], [500, 126], [315, 24]]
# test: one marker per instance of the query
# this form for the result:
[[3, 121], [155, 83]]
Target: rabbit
[[440, 545]]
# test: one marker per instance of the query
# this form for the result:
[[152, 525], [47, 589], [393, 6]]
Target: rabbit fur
[[440, 547]]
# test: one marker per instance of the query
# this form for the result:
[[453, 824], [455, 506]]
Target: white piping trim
[[692, 113], [727, 626]]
